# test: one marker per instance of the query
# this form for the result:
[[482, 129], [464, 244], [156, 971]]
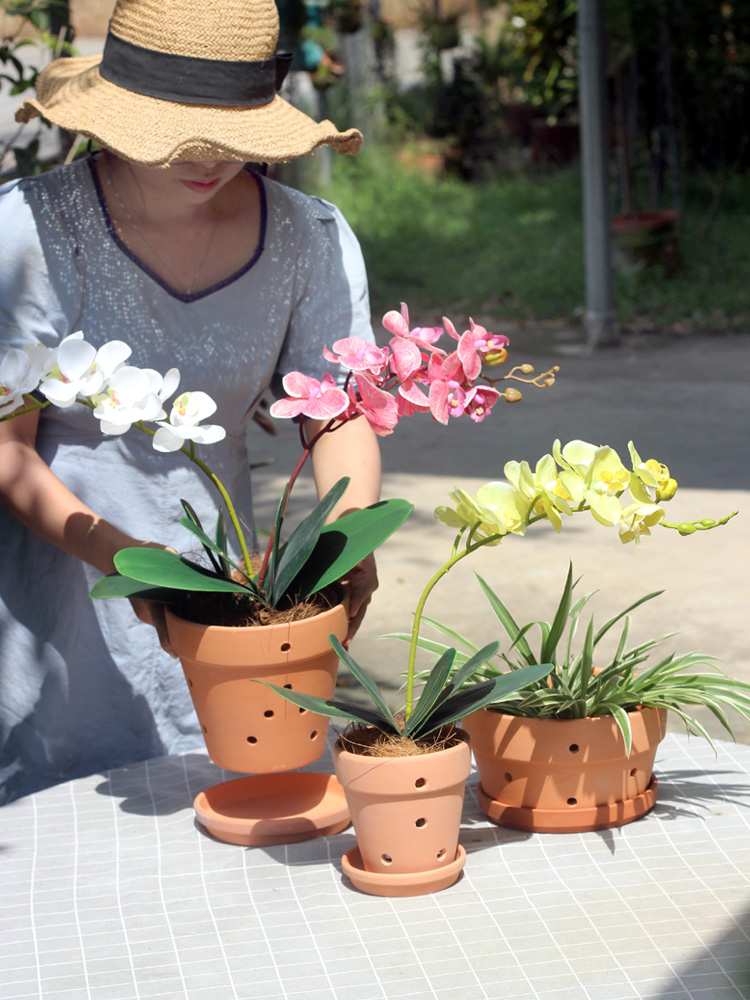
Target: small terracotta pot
[[565, 775], [406, 813], [246, 727]]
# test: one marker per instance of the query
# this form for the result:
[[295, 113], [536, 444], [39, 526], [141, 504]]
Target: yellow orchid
[[636, 520], [542, 488], [595, 476], [653, 474], [507, 506], [469, 513]]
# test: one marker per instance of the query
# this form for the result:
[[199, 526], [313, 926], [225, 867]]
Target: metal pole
[[592, 102]]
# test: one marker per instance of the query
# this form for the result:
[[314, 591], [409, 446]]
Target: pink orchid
[[474, 345], [377, 406], [479, 402], [310, 398], [406, 358], [358, 355], [423, 336], [448, 386]]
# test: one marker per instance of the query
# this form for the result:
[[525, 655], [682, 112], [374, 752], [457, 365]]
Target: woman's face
[[186, 182]]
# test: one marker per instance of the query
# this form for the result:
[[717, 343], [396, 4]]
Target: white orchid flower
[[76, 368], [132, 395], [184, 423], [20, 372]]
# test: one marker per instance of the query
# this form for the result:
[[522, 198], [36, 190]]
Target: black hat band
[[192, 80]]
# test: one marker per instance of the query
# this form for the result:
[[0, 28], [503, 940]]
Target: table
[[110, 892]]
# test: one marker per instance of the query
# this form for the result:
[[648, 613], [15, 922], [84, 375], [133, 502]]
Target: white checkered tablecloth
[[109, 892]]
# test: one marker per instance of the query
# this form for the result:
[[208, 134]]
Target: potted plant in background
[[575, 750], [256, 602]]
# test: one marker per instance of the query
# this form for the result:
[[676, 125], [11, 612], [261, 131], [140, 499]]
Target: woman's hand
[[152, 612], [360, 583]]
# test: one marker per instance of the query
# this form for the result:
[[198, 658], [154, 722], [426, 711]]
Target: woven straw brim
[[71, 93]]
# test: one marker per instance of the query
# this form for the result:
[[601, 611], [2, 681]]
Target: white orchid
[[20, 372], [184, 423], [132, 395], [76, 368]]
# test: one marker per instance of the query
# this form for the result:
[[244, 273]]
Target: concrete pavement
[[683, 401]]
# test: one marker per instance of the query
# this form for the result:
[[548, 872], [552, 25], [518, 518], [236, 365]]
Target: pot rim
[[199, 626]]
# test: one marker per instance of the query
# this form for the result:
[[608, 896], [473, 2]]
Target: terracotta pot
[[565, 775], [406, 813], [246, 727]]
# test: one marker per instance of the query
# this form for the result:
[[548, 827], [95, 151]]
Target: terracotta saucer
[[569, 820], [419, 884], [267, 809]]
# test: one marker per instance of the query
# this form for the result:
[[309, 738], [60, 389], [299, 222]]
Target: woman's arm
[[41, 502], [350, 451]]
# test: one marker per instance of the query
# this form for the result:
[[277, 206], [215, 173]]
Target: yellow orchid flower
[[654, 474], [507, 506], [542, 488], [637, 518]]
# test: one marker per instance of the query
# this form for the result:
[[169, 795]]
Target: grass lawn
[[513, 248]]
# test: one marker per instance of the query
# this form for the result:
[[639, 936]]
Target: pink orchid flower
[[376, 405], [358, 355], [474, 345], [310, 398], [448, 386], [422, 336], [479, 402]]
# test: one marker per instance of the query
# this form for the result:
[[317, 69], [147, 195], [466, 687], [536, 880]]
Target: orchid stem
[[446, 568]]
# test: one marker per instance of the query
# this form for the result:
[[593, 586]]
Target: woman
[[163, 240]]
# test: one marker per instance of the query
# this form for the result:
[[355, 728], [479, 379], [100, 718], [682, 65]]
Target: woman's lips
[[201, 186]]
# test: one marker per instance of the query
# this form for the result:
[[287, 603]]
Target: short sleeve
[[331, 298], [30, 310]]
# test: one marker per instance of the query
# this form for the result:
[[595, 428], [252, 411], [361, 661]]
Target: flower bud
[[686, 528], [527, 369], [497, 357], [708, 522], [512, 395]]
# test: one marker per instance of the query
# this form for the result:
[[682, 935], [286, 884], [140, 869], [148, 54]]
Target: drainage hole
[[302, 711], [314, 734], [420, 782], [285, 647], [508, 776], [252, 739], [572, 802], [421, 822], [441, 854], [574, 748], [268, 713], [386, 859], [288, 687], [633, 772]]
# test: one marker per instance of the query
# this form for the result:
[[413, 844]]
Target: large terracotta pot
[[247, 727], [565, 775], [406, 813]]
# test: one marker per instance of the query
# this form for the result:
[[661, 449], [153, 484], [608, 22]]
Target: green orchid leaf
[[455, 637], [480, 695], [221, 545], [467, 671], [549, 646], [333, 709], [195, 522], [303, 539], [210, 546], [115, 585], [273, 558], [431, 692], [166, 569], [346, 542], [364, 679], [506, 620]]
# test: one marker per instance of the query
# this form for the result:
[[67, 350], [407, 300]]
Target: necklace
[[137, 230]]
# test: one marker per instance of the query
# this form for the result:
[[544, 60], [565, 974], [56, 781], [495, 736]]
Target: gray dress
[[84, 686]]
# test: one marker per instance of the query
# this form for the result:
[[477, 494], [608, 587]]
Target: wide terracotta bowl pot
[[566, 775], [246, 726]]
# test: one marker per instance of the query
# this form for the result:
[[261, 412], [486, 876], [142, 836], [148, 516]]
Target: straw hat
[[185, 80]]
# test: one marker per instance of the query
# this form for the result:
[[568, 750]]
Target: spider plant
[[580, 685]]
